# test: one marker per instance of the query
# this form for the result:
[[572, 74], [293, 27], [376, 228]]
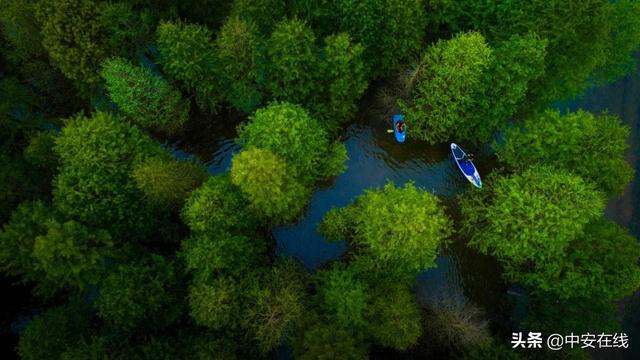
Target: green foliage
[[49, 334], [18, 237], [579, 315], [277, 305], [40, 152], [94, 348], [21, 31], [127, 30], [592, 147], [75, 40], [265, 179], [575, 29], [343, 70], [325, 341], [293, 63], [187, 53], [623, 43], [167, 183], [452, 71], [237, 50], [218, 206], [394, 318], [210, 254], [530, 216], [492, 350], [390, 30], [264, 13], [514, 65], [375, 215], [602, 263], [147, 99], [146, 293], [288, 131], [94, 184], [215, 304], [345, 298], [71, 254]]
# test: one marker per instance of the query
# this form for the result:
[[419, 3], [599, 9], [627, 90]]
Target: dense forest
[[131, 252]]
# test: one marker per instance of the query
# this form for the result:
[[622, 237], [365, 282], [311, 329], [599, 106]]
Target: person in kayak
[[400, 126], [468, 157]]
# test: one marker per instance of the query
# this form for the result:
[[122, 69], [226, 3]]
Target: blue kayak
[[400, 135], [466, 166]]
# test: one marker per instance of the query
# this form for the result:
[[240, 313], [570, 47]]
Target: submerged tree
[[452, 71], [370, 224], [53, 332], [277, 305], [592, 147], [187, 53], [288, 131], [218, 205], [166, 182], [145, 294], [391, 31], [74, 39], [72, 255], [144, 97], [94, 184], [238, 51], [293, 62], [532, 216], [267, 182]]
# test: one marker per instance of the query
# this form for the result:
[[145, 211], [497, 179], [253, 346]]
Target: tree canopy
[[592, 147]]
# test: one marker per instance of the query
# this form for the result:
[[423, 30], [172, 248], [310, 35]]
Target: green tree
[[580, 315], [288, 131], [127, 30], [292, 63], [18, 237], [325, 340], [277, 305], [624, 41], [237, 47], [94, 183], [515, 63], [149, 100], [390, 30], [52, 332], [602, 263], [266, 181], [450, 73], [345, 298], [187, 53], [575, 29], [592, 147], [370, 225], [71, 254], [212, 254], [394, 318], [531, 216], [215, 304], [75, 40], [342, 69], [264, 13], [218, 205], [147, 293], [167, 183]]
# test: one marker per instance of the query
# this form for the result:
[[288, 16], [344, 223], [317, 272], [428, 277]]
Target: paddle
[[390, 131]]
